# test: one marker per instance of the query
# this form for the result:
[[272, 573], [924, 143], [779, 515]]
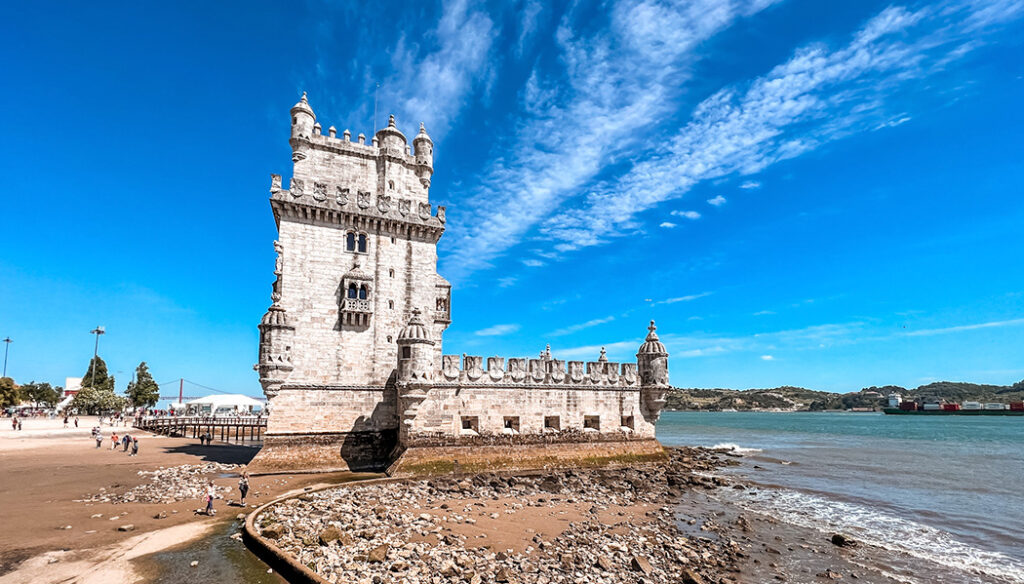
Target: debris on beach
[[422, 531], [167, 485]]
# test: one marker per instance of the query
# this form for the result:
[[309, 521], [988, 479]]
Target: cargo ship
[[937, 407]]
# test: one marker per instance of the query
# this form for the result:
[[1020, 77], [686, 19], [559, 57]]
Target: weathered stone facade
[[350, 354]]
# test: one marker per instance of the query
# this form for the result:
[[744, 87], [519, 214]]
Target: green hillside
[[802, 399]]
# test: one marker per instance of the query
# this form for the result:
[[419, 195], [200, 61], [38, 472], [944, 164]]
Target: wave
[[735, 448], [876, 527]]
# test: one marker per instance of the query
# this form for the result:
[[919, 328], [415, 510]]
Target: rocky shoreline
[[571, 526]]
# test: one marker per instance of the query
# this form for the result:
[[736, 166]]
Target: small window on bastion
[[627, 422], [406, 353], [552, 423], [391, 273], [592, 423], [470, 425], [391, 304], [362, 243], [350, 241], [511, 424], [389, 338]]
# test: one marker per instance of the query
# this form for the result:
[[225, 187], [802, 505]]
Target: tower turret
[[390, 138], [424, 150], [303, 120], [415, 367], [652, 365]]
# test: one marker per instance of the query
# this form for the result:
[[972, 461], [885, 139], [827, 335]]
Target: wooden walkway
[[221, 428]]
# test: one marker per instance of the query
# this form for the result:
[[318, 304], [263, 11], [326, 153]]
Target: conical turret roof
[[652, 345], [303, 106], [416, 330]]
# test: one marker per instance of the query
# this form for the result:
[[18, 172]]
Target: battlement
[[539, 372]]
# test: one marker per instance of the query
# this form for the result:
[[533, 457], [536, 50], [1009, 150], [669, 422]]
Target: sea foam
[[735, 448]]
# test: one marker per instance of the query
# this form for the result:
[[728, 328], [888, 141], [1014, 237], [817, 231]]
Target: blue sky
[[825, 194]]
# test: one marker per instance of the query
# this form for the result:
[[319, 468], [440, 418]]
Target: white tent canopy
[[230, 403]]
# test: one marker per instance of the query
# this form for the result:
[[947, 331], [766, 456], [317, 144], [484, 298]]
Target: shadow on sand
[[221, 453]]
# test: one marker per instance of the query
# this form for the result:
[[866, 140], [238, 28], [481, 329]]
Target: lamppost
[[7, 347], [95, 351]]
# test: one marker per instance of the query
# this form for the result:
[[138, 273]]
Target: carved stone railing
[[355, 305], [336, 197], [469, 369]]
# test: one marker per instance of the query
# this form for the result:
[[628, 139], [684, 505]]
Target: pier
[[231, 429]]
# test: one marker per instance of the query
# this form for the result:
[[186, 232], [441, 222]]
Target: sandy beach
[[50, 535]]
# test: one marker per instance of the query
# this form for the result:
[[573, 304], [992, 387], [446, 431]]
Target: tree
[[10, 393], [94, 400], [143, 391], [41, 393], [102, 379]]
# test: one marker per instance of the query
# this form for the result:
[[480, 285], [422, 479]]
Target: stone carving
[[383, 204], [450, 366], [363, 199], [319, 191], [496, 368], [537, 372], [517, 369], [341, 197], [611, 372], [404, 206], [275, 295], [424, 211], [275, 183], [556, 368], [629, 373], [296, 187], [576, 371], [474, 366], [440, 214], [595, 372]]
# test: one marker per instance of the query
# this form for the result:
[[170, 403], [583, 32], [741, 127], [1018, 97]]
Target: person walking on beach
[[243, 486], [126, 441], [135, 447], [76, 421], [14, 423], [113, 441], [211, 492], [19, 425], [65, 421], [99, 438]]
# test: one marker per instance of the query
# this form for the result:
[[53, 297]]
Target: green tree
[[10, 393], [94, 400], [143, 391], [41, 393], [102, 379]]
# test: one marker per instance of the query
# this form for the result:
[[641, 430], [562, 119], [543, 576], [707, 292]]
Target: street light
[[7, 347], [95, 351]]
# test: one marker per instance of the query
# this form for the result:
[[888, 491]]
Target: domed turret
[[424, 156], [303, 118], [652, 365], [415, 351], [390, 137]]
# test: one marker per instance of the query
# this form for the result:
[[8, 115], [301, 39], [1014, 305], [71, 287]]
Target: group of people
[[127, 441], [16, 423], [66, 418], [211, 493]]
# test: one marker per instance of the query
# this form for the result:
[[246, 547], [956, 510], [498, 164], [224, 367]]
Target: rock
[[605, 564], [449, 569], [830, 575], [567, 560], [691, 577], [160, 515], [841, 540], [502, 575], [126, 527], [272, 531], [640, 564], [378, 554], [329, 535], [66, 527], [194, 563]]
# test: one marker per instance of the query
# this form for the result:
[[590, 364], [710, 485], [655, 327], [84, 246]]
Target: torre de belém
[[350, 352]]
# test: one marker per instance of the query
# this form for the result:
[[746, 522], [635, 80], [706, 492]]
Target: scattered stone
[[329, 535], [841, 540], [160, 515], [273, 531], [640, 564], [126, 527], [378, 554], [691, 577], [194, 563], [166, 485], [830, 575]]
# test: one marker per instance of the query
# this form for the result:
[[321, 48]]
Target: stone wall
[[316, 410]]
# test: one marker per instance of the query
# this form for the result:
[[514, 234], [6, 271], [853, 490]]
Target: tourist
[[65, 421], [126, 441], [243, 486], [202, 439], [14, 422], [99, 438], [113, 441], [135, 447], [211, 492], [19, 424], [76, 421]]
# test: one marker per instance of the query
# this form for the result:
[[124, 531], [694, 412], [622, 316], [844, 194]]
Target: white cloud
[[966, 327], [686, 214], [667, 224], [507, 281], [767, 358], [609, 86], [531, 263], [750, 184], [717, 201], [817, 96], [497, 330], [689, 298], [764, 312], [578, 327]]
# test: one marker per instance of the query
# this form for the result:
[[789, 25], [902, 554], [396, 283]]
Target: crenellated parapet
[[469, 370]]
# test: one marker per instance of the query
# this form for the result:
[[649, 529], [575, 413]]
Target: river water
[[946, 490]]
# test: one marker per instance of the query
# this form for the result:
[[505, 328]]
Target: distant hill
[[802, 399]]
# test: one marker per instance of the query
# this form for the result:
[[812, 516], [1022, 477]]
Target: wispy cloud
[[764, 312], [532, 263], [497, 330], [581, 326], [767, 358], [682, 298], [686, 214], [717, 201], [507, 281], [667, 224], [750, 184], [609, 85], [966, 327]]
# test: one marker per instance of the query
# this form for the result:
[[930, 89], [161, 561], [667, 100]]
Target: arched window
[[362, 243], [391, 185], [391, 273], [352, 292], [362, 292], [350, 241]]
